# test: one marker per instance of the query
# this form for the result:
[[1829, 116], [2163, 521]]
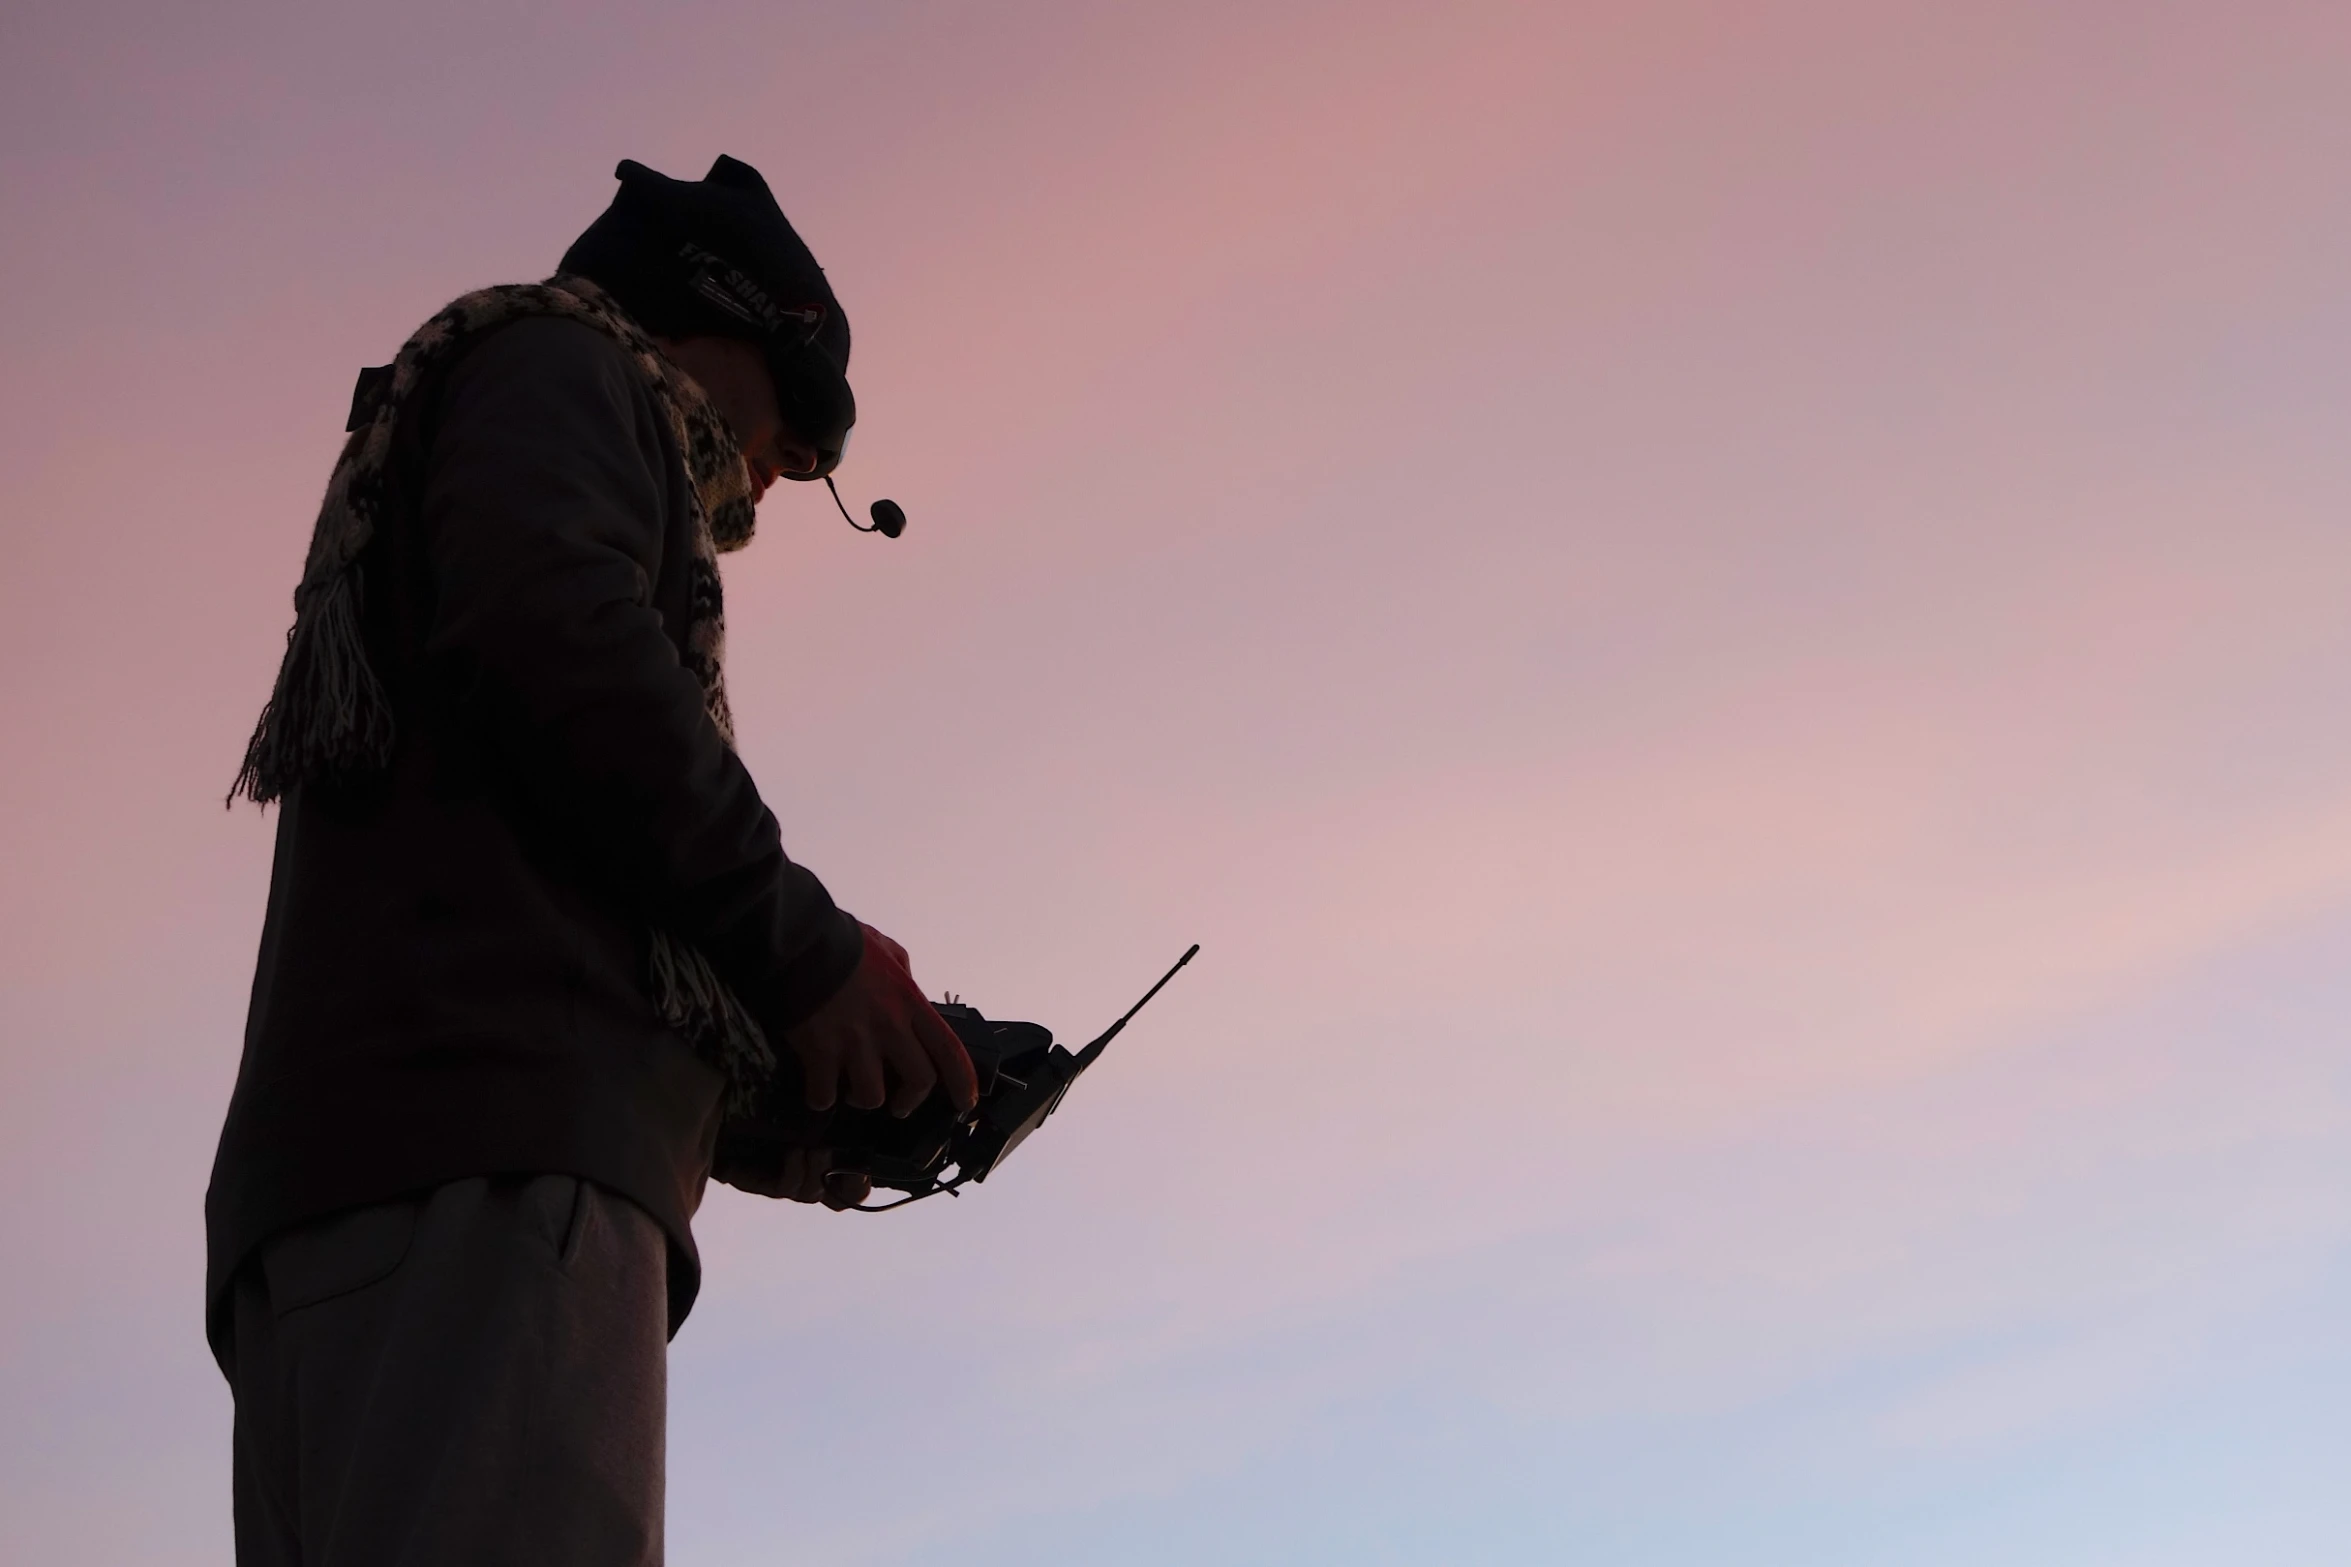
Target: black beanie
[[717, 256]]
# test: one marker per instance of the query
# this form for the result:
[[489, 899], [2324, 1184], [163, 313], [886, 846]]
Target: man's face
[[734, 375]]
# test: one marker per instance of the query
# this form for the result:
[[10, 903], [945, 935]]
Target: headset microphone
[[889, 518]]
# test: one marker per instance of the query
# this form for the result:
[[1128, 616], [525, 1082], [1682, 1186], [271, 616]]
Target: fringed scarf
[[328, 717]]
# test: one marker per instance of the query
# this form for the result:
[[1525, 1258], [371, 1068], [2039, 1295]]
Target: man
[[530, 930]]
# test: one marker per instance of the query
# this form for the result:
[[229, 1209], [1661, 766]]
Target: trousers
[[476, 1377]]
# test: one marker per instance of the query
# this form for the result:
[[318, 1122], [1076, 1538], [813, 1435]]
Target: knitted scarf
[[328, 717]]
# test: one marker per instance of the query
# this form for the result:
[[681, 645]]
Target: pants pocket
[[559, 1209], [337, 1255]]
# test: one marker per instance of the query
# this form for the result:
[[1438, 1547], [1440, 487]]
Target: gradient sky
[[1732, 624]]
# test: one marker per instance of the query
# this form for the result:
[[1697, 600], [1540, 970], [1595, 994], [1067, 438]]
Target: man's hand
[[877, 1041], [807, 1175]]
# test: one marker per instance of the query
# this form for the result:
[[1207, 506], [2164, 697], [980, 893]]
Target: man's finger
[[912, 1075], [861, 1074], [947, 1056], [757, 1185], [820, 1070], [792, 1176]]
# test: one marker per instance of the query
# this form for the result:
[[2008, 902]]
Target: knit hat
[[717, 256]]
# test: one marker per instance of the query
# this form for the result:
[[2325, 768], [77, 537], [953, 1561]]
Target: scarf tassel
[[692, 999], [327, 716]]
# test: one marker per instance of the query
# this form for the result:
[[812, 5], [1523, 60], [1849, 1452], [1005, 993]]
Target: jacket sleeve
[[542, 515]]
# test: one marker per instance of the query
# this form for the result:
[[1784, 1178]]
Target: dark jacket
[[452, 978]]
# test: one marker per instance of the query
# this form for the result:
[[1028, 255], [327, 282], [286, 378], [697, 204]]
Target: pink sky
[[1732, 624]]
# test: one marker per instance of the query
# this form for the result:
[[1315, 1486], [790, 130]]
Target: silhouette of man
[[531, 931]]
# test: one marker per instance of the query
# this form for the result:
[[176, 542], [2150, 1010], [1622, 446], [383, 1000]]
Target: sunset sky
[[1731, 623]]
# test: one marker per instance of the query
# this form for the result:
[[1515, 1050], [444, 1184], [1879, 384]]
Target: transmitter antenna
[[1085, 1057]]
